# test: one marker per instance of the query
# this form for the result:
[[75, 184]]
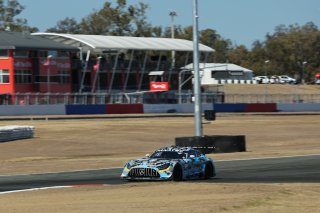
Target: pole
[[302, 74], [197, 91], [173, 53], [48, 72]]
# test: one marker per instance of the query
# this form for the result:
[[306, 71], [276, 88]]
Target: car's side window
[[192, 152], [197, 153]]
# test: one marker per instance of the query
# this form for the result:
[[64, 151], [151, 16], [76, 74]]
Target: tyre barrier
[[210, 115], [10, 133], [214, 143]]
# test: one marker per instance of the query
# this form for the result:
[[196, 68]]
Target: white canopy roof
[[219, 67], [105, 43]]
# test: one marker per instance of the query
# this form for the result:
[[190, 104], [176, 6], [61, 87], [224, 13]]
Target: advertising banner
[[159, 86]]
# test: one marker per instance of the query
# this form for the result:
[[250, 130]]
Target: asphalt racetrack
[[295, 169]]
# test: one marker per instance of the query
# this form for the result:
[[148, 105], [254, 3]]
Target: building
[[51, 64], [222, 73], [114, 64], [30, 64]]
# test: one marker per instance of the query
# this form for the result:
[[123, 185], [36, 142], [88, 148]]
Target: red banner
[[159, 86]]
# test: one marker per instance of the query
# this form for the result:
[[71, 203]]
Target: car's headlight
[[129, 165], [163, 166]]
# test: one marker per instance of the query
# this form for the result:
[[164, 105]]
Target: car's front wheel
[[208, 172], [177, 173]]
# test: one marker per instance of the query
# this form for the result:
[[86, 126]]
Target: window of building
[[64, 77], [63, 54], [43, 54], [4, 53], [219, 74], [21, 53], [40, 79], [236, 73], [4, 76], [54, 54], [23, 76]]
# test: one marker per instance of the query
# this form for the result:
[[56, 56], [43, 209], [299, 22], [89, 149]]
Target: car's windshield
[[168, 155]]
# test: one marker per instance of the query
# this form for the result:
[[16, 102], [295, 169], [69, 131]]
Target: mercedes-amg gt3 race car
[[170, 163]]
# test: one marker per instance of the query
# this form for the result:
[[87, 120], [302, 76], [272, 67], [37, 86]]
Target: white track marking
[[34, 189]]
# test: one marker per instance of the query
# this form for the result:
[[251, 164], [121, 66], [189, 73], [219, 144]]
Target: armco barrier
[[272, 107], [229, 107], [124, 109], [214, 143], [13, 110], [85, 109]]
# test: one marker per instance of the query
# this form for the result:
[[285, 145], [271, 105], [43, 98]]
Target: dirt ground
[[64, 145]]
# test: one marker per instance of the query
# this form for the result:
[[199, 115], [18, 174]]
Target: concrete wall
[[12, 110], [298, 107]]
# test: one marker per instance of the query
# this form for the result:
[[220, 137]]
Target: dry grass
[[87, 144], [169, 197], [271, 88]]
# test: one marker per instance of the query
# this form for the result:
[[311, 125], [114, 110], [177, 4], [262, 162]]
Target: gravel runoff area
[[66, 145]]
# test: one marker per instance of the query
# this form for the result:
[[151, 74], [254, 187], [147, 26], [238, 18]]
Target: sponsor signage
[[22, 63], [159, 86]]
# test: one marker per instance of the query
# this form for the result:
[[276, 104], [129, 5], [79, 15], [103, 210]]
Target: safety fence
[[152, 98]]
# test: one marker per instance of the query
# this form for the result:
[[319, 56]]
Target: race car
[[170, 163]]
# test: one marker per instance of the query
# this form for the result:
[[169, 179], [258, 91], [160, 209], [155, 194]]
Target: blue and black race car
[[170, 163]]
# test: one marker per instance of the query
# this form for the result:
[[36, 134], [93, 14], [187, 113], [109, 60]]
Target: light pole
[[265, 68], [267, 79], [48, 62], [197, 91], [302, 74], [173, 53]]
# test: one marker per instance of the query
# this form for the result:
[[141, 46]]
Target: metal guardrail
[[152, 98]]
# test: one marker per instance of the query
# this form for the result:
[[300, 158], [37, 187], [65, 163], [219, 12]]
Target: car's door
[[196, 162]]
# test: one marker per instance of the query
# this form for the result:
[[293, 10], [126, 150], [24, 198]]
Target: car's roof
[[174, 149]]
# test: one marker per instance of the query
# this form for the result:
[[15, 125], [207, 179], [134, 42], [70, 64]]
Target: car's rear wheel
[[177, 173]]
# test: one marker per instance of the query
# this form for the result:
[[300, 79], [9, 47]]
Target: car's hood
[[150, 162]]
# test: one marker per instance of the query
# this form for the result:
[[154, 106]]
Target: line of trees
[[290, 50]]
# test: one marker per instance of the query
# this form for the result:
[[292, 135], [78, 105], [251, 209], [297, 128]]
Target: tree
[[221, 46], [8, 12], [68, 25], [119, 19], [289, 47]]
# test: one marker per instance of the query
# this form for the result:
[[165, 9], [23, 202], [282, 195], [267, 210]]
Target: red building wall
[[52, 69], [6, 63], [40, 72], [24, 64]]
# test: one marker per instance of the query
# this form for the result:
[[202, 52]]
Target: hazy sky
[[241, 21]]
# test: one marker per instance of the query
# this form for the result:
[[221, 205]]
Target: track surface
[[298, 169]]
